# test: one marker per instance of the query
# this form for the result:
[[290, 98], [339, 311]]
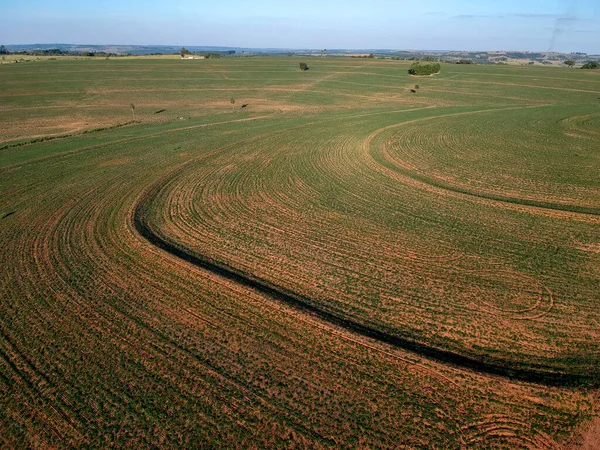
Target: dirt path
[[587, 436]]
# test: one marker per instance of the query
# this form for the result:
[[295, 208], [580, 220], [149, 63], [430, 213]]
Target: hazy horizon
[[537, 25], [285, 49]]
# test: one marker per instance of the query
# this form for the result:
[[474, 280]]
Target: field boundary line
[[130, 139]]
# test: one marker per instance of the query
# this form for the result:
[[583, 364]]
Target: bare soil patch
[[116, 162]]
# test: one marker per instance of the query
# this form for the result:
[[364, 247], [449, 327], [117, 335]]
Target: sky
[[521, 25]]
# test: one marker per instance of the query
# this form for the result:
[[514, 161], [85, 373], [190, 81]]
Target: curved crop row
[[282, 216], [437, 153], [479, 363], [109, 340]]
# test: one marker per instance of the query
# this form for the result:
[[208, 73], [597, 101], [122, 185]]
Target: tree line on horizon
[[53, 52], [590, 64]]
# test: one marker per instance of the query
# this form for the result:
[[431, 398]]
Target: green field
[[330, 261]]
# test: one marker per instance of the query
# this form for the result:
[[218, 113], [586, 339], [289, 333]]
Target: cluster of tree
[[425, 59], [591, 65], [525, 55], [184, 51], [418, 68], [370, 55], [55, 52], [101, 54], [464, 61]]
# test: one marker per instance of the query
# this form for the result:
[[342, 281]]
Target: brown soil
[[591, 439], [587, 436], [116, 162]]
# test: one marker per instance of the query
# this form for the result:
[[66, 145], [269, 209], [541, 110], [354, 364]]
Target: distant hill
[[118, 49], [478, 57], [169, 49]]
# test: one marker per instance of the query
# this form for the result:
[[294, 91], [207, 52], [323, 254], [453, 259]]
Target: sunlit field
[[235, 253]]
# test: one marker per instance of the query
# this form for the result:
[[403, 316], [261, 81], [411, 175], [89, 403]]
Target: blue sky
[[541, 25]]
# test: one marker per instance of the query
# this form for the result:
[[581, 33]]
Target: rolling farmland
[[340, 263]]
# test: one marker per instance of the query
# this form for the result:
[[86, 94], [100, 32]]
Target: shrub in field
[[590, 65], [303, 67], [6, 214], [418, 68], [569, 62], [464, 61]]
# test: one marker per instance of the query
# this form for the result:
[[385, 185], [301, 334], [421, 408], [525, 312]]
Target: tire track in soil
[[528, 86]]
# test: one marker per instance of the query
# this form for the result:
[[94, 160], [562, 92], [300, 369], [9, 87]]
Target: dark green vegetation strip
[[481, 363], [64, 136], [6, 214]]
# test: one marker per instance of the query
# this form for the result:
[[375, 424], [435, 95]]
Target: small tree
[[303, 67], [184, 51], [132, 107], [232, 101], [569, 62], [3, 50]]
